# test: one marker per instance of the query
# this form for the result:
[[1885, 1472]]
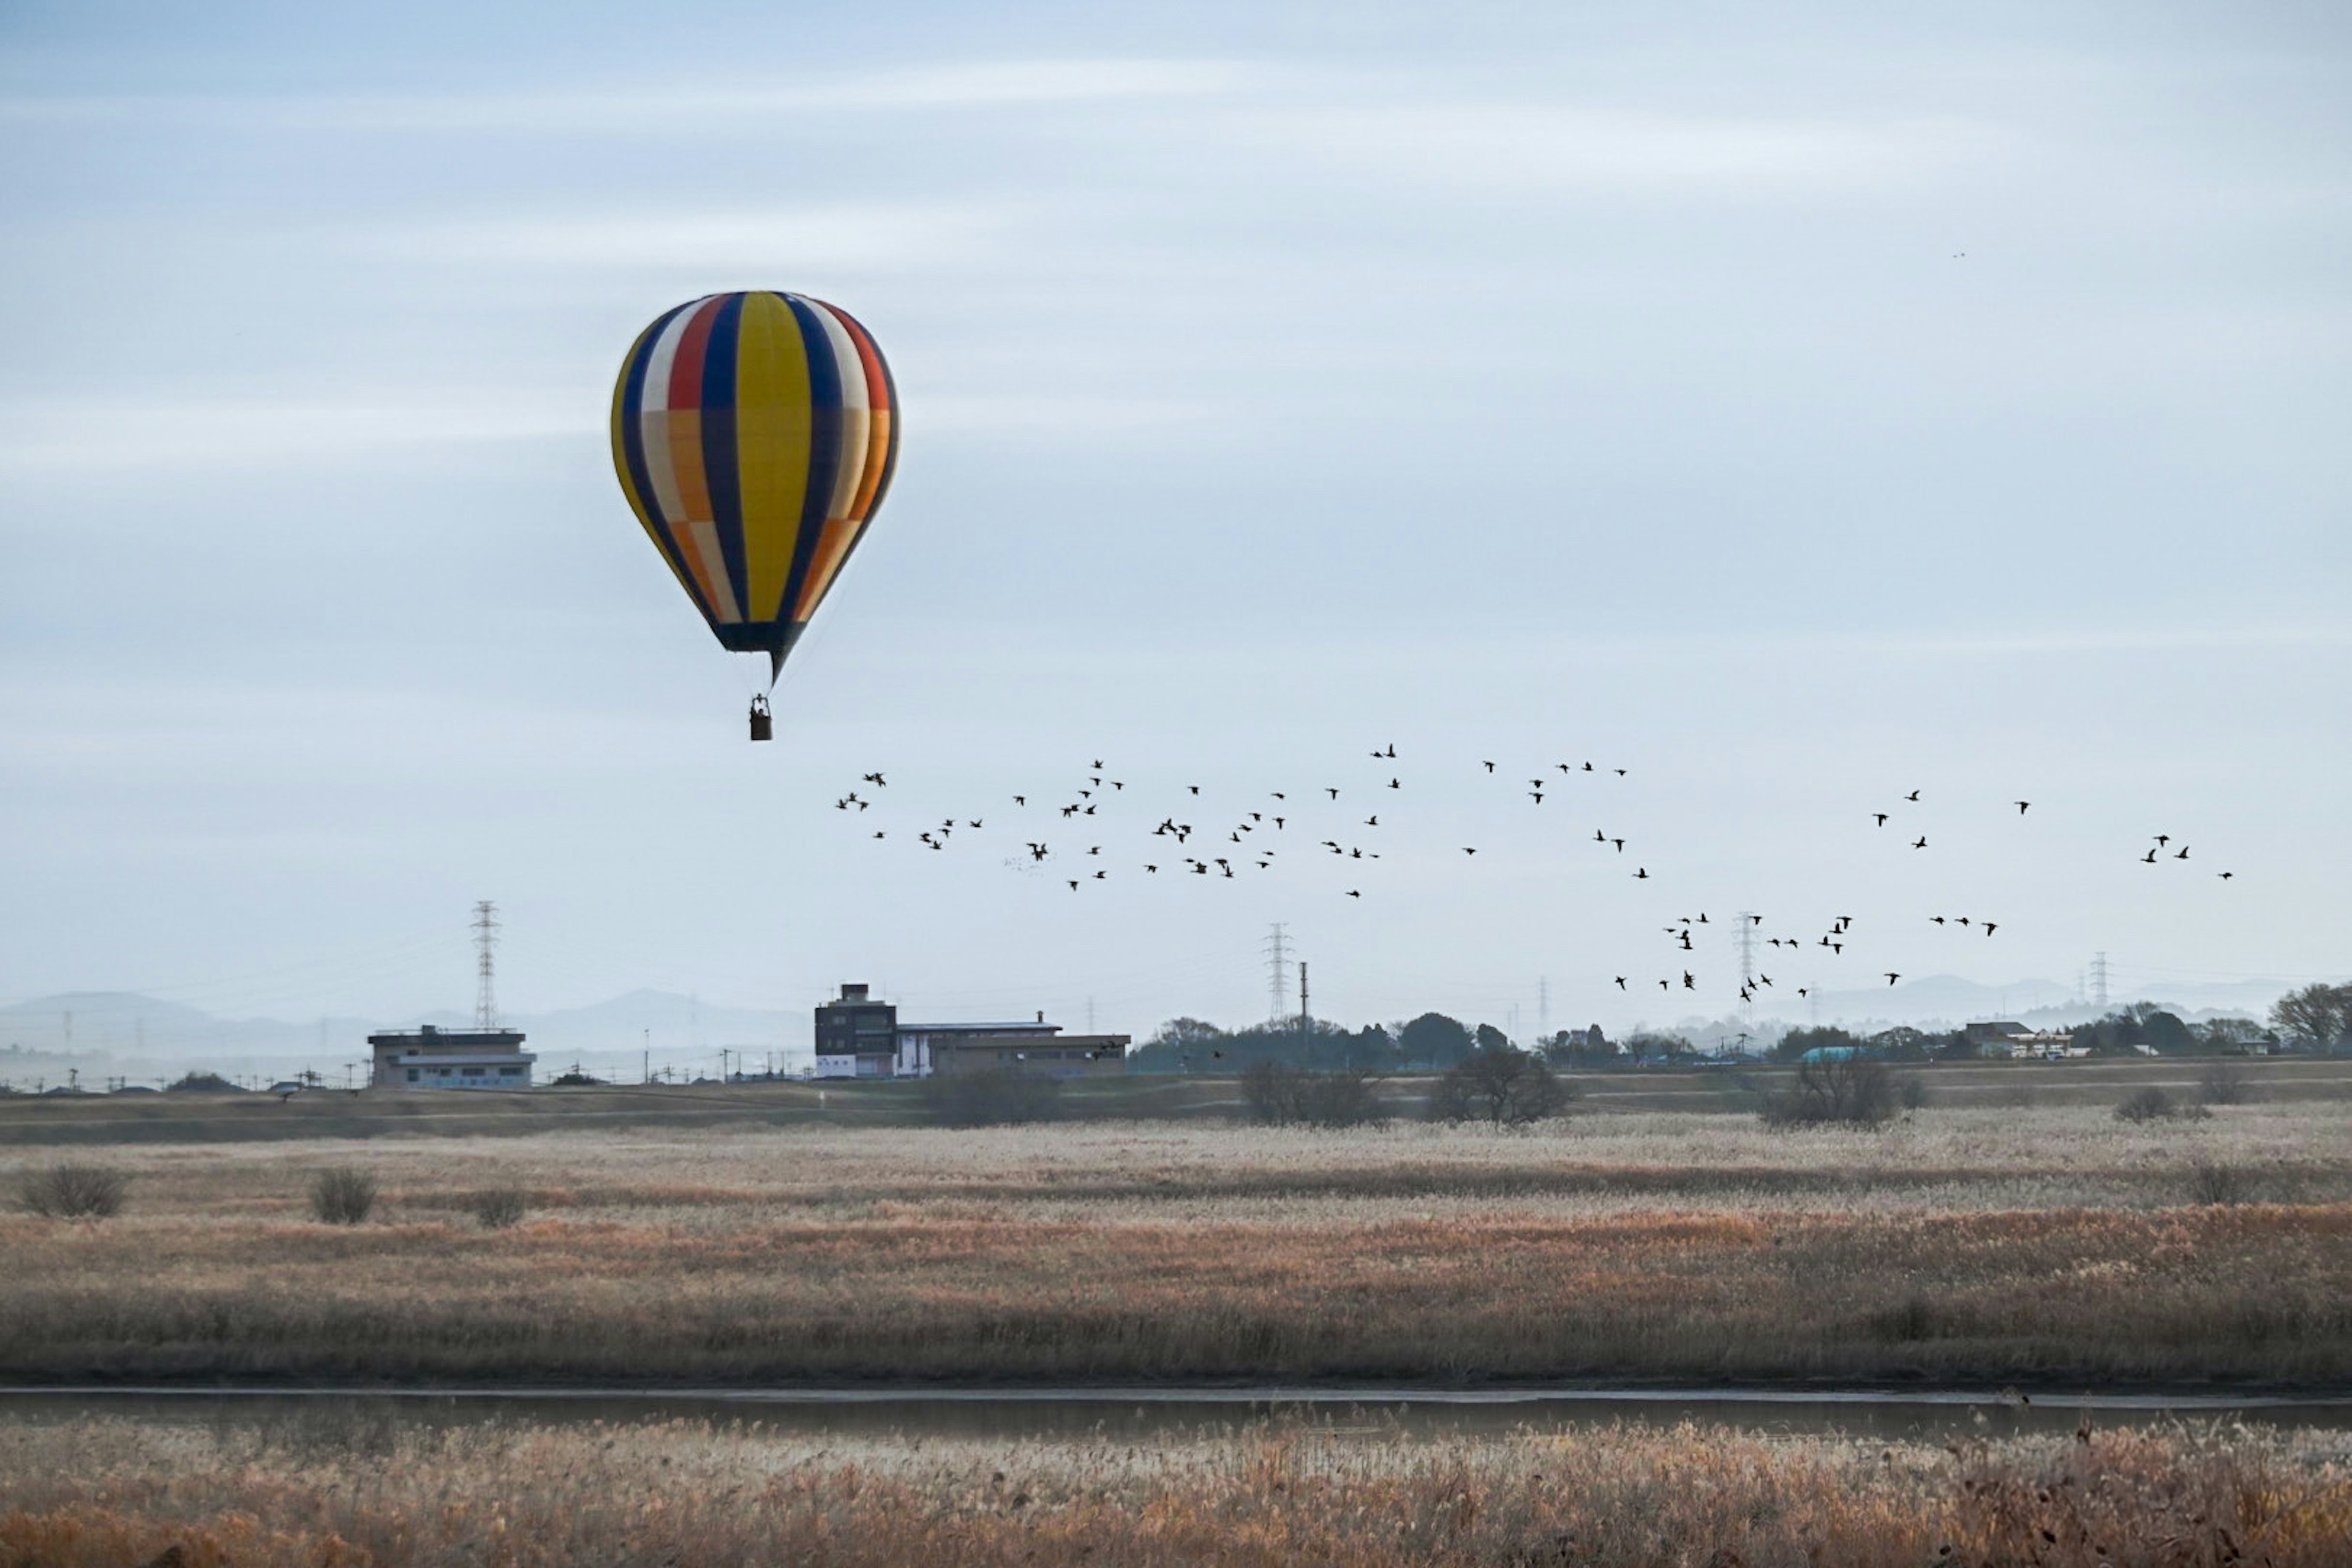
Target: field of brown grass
[[109, 1493], [2038, 1245]]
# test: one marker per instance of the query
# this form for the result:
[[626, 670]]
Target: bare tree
[[1504, 1086], [1837, 1090], [2317, 1014]]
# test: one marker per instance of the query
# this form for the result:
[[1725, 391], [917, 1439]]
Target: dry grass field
[[2025, 1245], [109, 1492]]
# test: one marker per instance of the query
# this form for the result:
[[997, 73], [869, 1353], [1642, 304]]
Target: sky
[[1794, 405]]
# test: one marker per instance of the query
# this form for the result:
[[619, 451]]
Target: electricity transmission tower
[[1747, 923], [486, 939], [2099, 980], [1277, 979]]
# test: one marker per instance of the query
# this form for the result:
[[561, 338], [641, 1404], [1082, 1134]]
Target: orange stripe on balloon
[[832, 549]]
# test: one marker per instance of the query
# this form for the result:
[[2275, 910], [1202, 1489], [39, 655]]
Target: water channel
[[1142, 1413]]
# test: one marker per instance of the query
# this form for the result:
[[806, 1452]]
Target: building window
[[510, 1072], [412, 1074], [470, 1072]]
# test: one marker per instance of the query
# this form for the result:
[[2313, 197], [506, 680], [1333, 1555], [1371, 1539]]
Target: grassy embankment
[[106, 1492], [93, 1121], [1965, 1246]]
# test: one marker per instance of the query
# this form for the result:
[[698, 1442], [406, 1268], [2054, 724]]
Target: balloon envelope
[[755, 435]]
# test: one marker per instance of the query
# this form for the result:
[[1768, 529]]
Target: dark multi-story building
[[856, 1036]]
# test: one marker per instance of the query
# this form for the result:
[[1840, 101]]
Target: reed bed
[[111, 1492], [2036, 1245]]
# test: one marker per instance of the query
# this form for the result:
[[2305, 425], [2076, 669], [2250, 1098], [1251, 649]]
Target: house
[[430, 1057]]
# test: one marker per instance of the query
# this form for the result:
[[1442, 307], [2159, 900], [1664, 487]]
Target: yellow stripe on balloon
[[771, 444]]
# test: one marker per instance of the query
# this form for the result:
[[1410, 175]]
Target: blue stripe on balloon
[[824, 442], [719, 449], [633, 450]]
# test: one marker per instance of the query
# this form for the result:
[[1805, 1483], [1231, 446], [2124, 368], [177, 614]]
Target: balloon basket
[[763, 724]]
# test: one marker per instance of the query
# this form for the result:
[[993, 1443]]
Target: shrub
[[71, 1191], [345, 1195], [1913, 1092], [1501, 1085], [2219, 1186], [1346, 1098], [498, 1208], [994, 1097], [1279, 1096], [1841, 1091], [1272, 1094], [2145, 1105], [2223, 1083]]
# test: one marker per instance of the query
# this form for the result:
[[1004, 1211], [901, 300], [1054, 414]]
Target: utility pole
[[1305, 1018], [1543, 1007], [486, 939], [1277, 960]]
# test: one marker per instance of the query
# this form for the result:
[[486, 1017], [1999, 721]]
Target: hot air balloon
[[754, 434]]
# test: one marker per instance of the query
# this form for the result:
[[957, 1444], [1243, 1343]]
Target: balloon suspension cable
[[775, 665]]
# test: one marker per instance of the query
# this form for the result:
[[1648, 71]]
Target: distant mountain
[[144, 1034], [1948, 1000]]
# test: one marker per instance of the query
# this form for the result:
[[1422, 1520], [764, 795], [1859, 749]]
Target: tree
[[1579, 1048], [1793, 1044], [1490, 1039], [1504, 1086], [1435, 1040], [1282, 1096], [2319, 1014], [1852, 1091]]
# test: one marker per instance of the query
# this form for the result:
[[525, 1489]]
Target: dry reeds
[[1958, 1245], [106, 1492]]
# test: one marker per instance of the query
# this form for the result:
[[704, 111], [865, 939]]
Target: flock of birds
[[1086, 836]]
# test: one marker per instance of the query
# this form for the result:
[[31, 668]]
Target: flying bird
[[1467, 850], [1490, 767], [1882, 817], [1913, 796], [1621, 983], [1922, 842], [876, 780], [1892, 977], [2022, 805], [1988, 928]]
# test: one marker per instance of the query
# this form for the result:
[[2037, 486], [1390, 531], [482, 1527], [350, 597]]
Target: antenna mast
[[486, 939]]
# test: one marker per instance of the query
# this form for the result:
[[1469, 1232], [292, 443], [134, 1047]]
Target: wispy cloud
[[698, 106], [1545, 146], [112, 437], [772, 239]]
